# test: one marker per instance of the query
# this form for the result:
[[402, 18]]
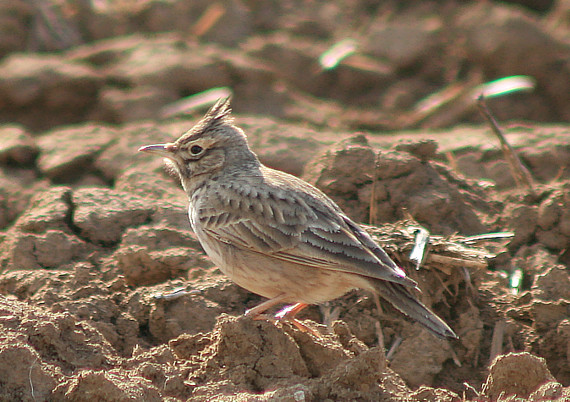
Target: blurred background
[[353, 64]]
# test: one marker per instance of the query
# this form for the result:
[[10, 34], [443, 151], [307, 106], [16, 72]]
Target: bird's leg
[[257, 312], [288, 314], [285, 314]]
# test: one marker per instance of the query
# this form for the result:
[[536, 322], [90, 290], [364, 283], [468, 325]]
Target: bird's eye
[[196, 149]]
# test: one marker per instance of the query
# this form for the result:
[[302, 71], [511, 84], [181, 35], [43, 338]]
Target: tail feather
[[408, 304]]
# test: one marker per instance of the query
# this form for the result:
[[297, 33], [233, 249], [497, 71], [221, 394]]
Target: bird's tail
[[408, 304]]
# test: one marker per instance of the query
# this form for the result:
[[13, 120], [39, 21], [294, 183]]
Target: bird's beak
[[160, 149]]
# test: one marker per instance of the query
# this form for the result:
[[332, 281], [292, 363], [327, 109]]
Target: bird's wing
[[304, 228]]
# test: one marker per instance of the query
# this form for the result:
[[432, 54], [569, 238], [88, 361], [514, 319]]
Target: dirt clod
[[105, 293], [516, 374]]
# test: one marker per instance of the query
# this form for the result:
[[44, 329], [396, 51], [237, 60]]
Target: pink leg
[[285, 314], [258, 310], [288, 314]]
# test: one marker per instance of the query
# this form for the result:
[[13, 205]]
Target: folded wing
[[284, 225]]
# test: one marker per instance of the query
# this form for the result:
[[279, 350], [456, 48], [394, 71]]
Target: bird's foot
[[287, 314]]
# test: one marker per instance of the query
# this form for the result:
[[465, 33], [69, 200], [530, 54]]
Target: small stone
[[17, 146], [423, 149], [549, 211]]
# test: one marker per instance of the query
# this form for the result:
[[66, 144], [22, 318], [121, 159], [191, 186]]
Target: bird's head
[[212, 145]]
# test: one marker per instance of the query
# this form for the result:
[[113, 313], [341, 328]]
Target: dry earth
[[105, 293]]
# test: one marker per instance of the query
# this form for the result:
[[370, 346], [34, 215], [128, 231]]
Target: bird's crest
[[218, 114]]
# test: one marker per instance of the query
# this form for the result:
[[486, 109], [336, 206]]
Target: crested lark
[[274, 234]]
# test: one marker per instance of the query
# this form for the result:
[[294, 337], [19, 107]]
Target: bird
[[273, 233]]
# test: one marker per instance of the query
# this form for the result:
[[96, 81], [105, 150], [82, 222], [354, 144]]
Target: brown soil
[[105, 293]]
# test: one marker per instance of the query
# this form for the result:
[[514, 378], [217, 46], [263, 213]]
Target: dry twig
[[394, 347], [447, 254], [520, 173], [208, 19], [497, 341]]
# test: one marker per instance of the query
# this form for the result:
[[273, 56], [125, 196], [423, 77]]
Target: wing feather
[[301, 226]]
